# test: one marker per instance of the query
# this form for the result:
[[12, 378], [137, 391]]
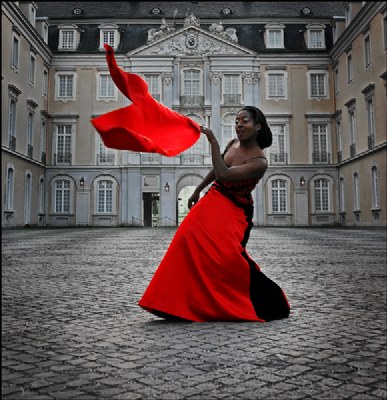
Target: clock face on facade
[[191, 42]]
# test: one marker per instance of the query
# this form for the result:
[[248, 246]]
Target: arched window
[[27, 198], [228, 129], [375, 188], [62, 196], [321, 195], [42, 199], [279, 196], [9, 189], [342, 195], [105, 197], [356, 192]]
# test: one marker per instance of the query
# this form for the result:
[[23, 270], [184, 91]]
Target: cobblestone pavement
[[71, 327]]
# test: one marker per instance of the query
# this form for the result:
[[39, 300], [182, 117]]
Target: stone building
[[317, 70]]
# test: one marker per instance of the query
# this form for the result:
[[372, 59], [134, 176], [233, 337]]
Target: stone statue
[[190, 19], [164, 29]]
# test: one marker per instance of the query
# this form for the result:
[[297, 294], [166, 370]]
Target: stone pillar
[[167, 199], [134, 196], [215, 101], [167, 79]]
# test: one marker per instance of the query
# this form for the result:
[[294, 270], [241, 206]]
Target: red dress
[[206, 273]]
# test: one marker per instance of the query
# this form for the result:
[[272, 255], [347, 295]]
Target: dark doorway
[[151, 208]]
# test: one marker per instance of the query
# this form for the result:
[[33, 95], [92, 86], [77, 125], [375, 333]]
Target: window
[[65, 86], [63, 144], [45, 82], [276, 85], [341, 195], [371, 122], [32, 15], [62, 196], [15, 52], [277, 150], [228, 129], [349, 68], [43, 141], [30, 134], [316, 36], [106, 88], [109, 34], [274, 36], [356, 192], [67, 40], [321, 195], [32, 68], [105, 196], [318, 85], [339, 136], [191, 83], [375, 188], [105, 155], [12, 124], [367, 50], [27, 198], [352, 126], [45, 33], [320, 143], [279, 196], [42, 197], [9, 189], [231, 91], [347, 13], [153, 81]]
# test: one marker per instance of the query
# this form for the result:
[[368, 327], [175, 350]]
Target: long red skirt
[[206, 274]]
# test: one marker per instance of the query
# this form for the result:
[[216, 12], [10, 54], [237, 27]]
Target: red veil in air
[[146, 125]]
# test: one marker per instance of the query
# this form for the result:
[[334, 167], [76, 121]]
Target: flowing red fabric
[[146, 125]]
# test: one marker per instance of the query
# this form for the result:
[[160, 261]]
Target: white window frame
[[339, 135], [228, 126], [183, 74], [114, 195], [279, 190], [30, 128], [269, 74], [27, 197], [271, 28], [41, 196], [319, 191], [15, 56], [107, 28], [342, 207], [356, 192], [367, 50], [352, 125], [202, 145], [58, 76], [370, 104], [12, 112], [76, 37], [45, 82], [57, 122], [43, 139], [349, 67], [322, 96], [104, 155], [67, 192], [232, 78], [314, 120], [32, 14], [375, 188], [153, 79], [273, 156], [10, 188], [100, 97], [315, 28], [320, 133], [32, 69], [336, 80]]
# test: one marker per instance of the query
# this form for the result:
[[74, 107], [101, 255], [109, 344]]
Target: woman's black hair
[[264, 137]]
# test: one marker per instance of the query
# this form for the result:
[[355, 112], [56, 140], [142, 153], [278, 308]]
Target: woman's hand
[[210, 135], [193, 199]]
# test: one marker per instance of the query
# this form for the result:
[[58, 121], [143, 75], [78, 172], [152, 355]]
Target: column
[[216, 125]]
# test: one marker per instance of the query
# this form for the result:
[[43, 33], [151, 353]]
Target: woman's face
[[244, 125]]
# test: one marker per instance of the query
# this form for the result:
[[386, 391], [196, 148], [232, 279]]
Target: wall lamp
[[82, 182], [167, 187], [302, 181]]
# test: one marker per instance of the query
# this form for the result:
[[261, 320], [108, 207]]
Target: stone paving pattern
[[71, 327]]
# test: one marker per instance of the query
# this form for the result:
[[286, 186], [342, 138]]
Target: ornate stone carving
[[215, 78], [167, 77], [154, 33], [218, 29], [250, 78], [190, 19]]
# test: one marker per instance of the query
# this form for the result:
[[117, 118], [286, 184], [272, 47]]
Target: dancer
[[206, 273]]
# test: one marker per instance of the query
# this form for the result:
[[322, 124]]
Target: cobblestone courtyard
[[71, 327]]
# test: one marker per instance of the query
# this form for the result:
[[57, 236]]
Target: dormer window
[[315, 36], [69, 36], [32, 14], [274, 36], [109, 34]]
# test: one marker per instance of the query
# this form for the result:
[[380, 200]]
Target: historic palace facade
[[316, 69]]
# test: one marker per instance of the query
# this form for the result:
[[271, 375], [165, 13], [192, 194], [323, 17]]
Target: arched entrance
[[185, 187]]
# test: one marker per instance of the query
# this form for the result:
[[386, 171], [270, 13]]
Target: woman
[[206, 273]]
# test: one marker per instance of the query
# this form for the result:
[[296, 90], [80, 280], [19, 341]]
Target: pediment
[[192, 41]]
